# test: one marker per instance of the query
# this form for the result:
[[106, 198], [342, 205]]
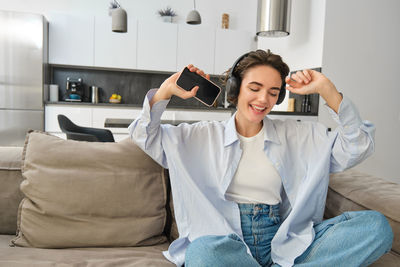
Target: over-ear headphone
[[233, 82]]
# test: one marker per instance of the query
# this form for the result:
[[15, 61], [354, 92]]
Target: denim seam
[[313, 250]]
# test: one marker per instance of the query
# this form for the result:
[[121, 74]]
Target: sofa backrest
[[10, 195]]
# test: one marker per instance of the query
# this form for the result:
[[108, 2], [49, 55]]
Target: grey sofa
[[349, 190]]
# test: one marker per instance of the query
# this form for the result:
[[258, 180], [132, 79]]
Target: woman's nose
[[263, 98]]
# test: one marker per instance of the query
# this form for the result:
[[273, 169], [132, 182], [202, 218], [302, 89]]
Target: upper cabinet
[[196, 45], [148, 45], [156, 46], [229, 46], [112, 49], [71, 39]]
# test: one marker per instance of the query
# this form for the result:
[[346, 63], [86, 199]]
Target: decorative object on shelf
[[194, 16], [53, 93], [273, 18], [119, 17], [167, 14], [306, 104], [115, 98], [290, 107], [225, 21]]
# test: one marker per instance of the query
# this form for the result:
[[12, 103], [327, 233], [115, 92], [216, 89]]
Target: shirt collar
[[270, 134]]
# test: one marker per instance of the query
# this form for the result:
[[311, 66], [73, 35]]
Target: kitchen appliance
[[23, 68], [74, 90]]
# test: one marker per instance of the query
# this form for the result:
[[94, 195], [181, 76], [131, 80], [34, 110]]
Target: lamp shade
[[273, 18], [119, 20], [193, 17]]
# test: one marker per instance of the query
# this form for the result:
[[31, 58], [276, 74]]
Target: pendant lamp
[[273, 18], [194, 16], [119, 18]]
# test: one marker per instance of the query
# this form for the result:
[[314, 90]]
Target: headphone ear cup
[[231, 86], [281, 96]]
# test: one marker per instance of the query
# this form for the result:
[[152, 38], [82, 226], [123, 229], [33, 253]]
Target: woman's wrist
[[331, 95]]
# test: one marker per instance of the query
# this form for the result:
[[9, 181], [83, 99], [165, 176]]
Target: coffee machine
[[74, 90]]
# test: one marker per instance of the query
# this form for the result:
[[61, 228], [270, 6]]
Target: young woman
[[251, 191]]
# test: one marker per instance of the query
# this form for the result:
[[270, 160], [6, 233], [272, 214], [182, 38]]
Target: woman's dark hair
[[255, 58]]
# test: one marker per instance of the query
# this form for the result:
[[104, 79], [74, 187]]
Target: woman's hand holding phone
[[169, 88]]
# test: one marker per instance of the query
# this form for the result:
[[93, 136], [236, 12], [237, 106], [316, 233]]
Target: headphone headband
[[236, 63]]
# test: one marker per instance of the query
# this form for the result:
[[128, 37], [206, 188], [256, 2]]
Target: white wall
[[303, 47], [242, 13], [361, 56]]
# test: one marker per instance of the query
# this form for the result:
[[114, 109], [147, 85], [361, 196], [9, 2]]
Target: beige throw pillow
[[89, 194]]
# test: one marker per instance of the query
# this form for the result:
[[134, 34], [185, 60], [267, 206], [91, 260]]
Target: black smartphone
[[208, 91]]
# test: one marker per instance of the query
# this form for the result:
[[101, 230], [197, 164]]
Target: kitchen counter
[[139, 106], [124, 123]]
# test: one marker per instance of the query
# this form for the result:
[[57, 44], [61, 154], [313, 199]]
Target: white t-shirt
[[256, 179]]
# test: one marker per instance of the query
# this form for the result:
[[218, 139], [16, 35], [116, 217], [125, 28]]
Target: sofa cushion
[[10, 195], [353, 190], [82, 257], [89, 194]]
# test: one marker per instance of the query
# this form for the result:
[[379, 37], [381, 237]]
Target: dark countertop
[[232, 110]]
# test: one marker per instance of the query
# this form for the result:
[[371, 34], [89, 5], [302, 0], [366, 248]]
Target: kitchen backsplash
[[132, 86]]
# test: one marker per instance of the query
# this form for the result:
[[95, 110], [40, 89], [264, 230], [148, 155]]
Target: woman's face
[[258, 94]]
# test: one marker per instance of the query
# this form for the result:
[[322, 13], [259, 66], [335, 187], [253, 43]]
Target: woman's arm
[[353, 138], [146, 130]]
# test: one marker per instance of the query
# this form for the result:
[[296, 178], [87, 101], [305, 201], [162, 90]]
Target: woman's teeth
[[258, 108]]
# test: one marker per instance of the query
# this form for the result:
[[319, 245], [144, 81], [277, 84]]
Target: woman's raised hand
[[169, 88], [307, 82]]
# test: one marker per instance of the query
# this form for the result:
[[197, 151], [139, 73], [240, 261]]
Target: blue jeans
[[369, 231]]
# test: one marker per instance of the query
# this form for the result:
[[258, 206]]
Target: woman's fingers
[[293, 83], [301, 77], [193, 68]]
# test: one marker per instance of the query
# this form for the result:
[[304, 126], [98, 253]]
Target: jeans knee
[[381, 228], [218, 251], [199, 252]]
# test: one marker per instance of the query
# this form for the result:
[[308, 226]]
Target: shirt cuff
[[152, 115], [348, 116]]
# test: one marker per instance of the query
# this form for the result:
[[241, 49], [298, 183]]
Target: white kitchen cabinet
[[100, 114], [230, 45], [71, 39], [156, 46], [196, 45], [113, 49], [81, 116]]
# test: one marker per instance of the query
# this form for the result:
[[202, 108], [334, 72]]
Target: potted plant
[[167, 14]]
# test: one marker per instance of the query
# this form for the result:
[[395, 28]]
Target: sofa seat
[[79, 257], [354, 190]]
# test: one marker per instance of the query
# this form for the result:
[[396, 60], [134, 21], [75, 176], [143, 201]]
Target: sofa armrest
[[353, 190], [10, 194]]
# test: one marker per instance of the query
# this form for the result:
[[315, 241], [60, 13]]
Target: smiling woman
[[258, 94], [233, 180]]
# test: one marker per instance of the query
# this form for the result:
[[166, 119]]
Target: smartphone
[[208, 91]]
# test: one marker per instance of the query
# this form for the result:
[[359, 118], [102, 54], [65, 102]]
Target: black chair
[[79, 133]]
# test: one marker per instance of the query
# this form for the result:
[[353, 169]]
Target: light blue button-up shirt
[[202, 159]]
